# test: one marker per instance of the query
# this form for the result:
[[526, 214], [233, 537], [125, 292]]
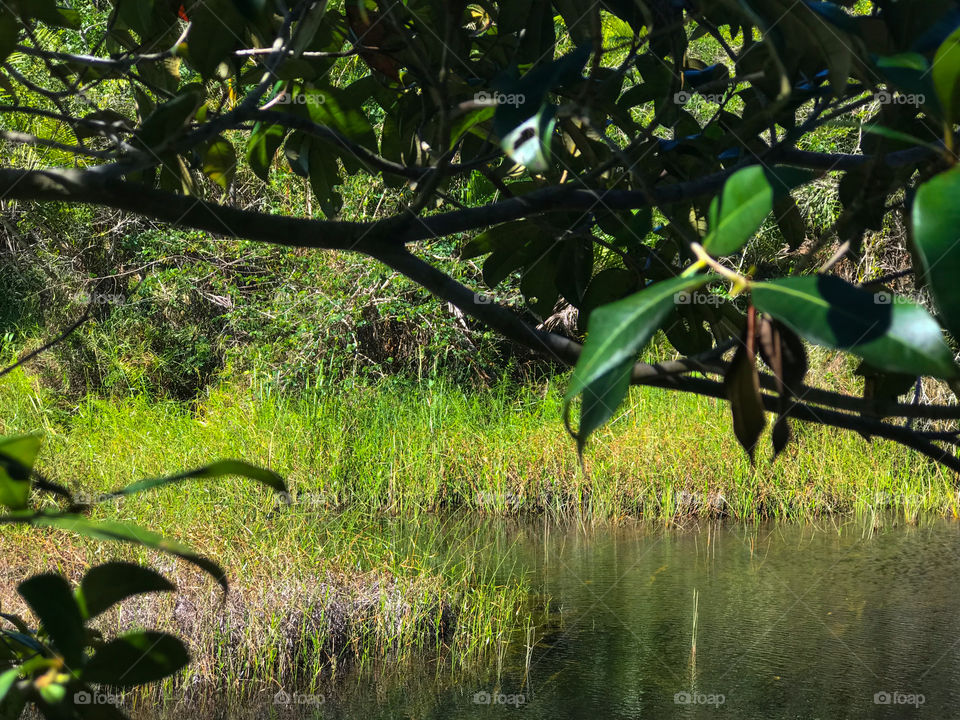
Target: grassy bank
[[397, 448], [335, 579]]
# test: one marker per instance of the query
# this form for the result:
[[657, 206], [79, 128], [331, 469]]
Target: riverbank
[[330, 582], [393, 448]]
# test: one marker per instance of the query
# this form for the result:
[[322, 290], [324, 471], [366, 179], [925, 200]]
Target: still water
[[835, 620]]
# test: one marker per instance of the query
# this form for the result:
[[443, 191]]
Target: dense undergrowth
[[384, 409]]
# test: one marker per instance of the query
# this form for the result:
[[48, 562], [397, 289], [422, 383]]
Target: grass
[[397, 448], [364, 569]]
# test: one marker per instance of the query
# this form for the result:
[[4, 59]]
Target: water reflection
[[828, 621]]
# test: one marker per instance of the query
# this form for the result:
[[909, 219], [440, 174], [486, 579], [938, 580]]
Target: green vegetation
[[672, 184], [394, 448]]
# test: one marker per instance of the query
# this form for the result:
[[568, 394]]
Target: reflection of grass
[[312, 594]]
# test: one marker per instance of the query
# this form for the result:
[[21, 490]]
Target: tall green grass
[[399, 448]]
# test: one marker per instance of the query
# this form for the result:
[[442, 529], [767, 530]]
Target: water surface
[[834, 620]]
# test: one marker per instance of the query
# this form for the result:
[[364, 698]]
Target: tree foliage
[[634, 150], [58, 664]]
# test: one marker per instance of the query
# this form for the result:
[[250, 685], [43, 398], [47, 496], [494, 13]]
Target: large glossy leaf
[[499, 237], [911, 74], [297, 151], [738, 212], [109, 583], [50, 598], [7, 679], [262, 146], [49, 12], [220, 162], [167, 120], [936, 235], [324, 177], [136, 658], [341, 110], [617, 332], [17, 455], [601, 398], [946, 75], [114, 531], [215, 29], [891, 333], [9, 31]]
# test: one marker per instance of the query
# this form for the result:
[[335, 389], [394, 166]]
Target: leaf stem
[[740, 283]]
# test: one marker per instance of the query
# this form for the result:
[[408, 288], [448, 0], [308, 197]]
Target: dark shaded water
[[837, 620]]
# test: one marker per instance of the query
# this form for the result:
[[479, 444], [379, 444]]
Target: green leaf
[[7, 679], [617, 332], [215, 29], [53, 694], [341, 110], [297, 151], [9, 33], [114, 531], [49, 12], [166, 122], [109, 583], [890, 333], [137, 15], [899, 136], [262, 146], [217, 469], [524, 118], [936, 235], [220, 162], [538, 286], [608, 286], [601, 398], [499, 237], [469, 120], [17, 455], [790, 221], [946, 75], [50, 598], [738, 212], [136, 658], [911, 73], [324, 177]]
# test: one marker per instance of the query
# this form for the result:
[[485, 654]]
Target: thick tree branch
[[662, 375]]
